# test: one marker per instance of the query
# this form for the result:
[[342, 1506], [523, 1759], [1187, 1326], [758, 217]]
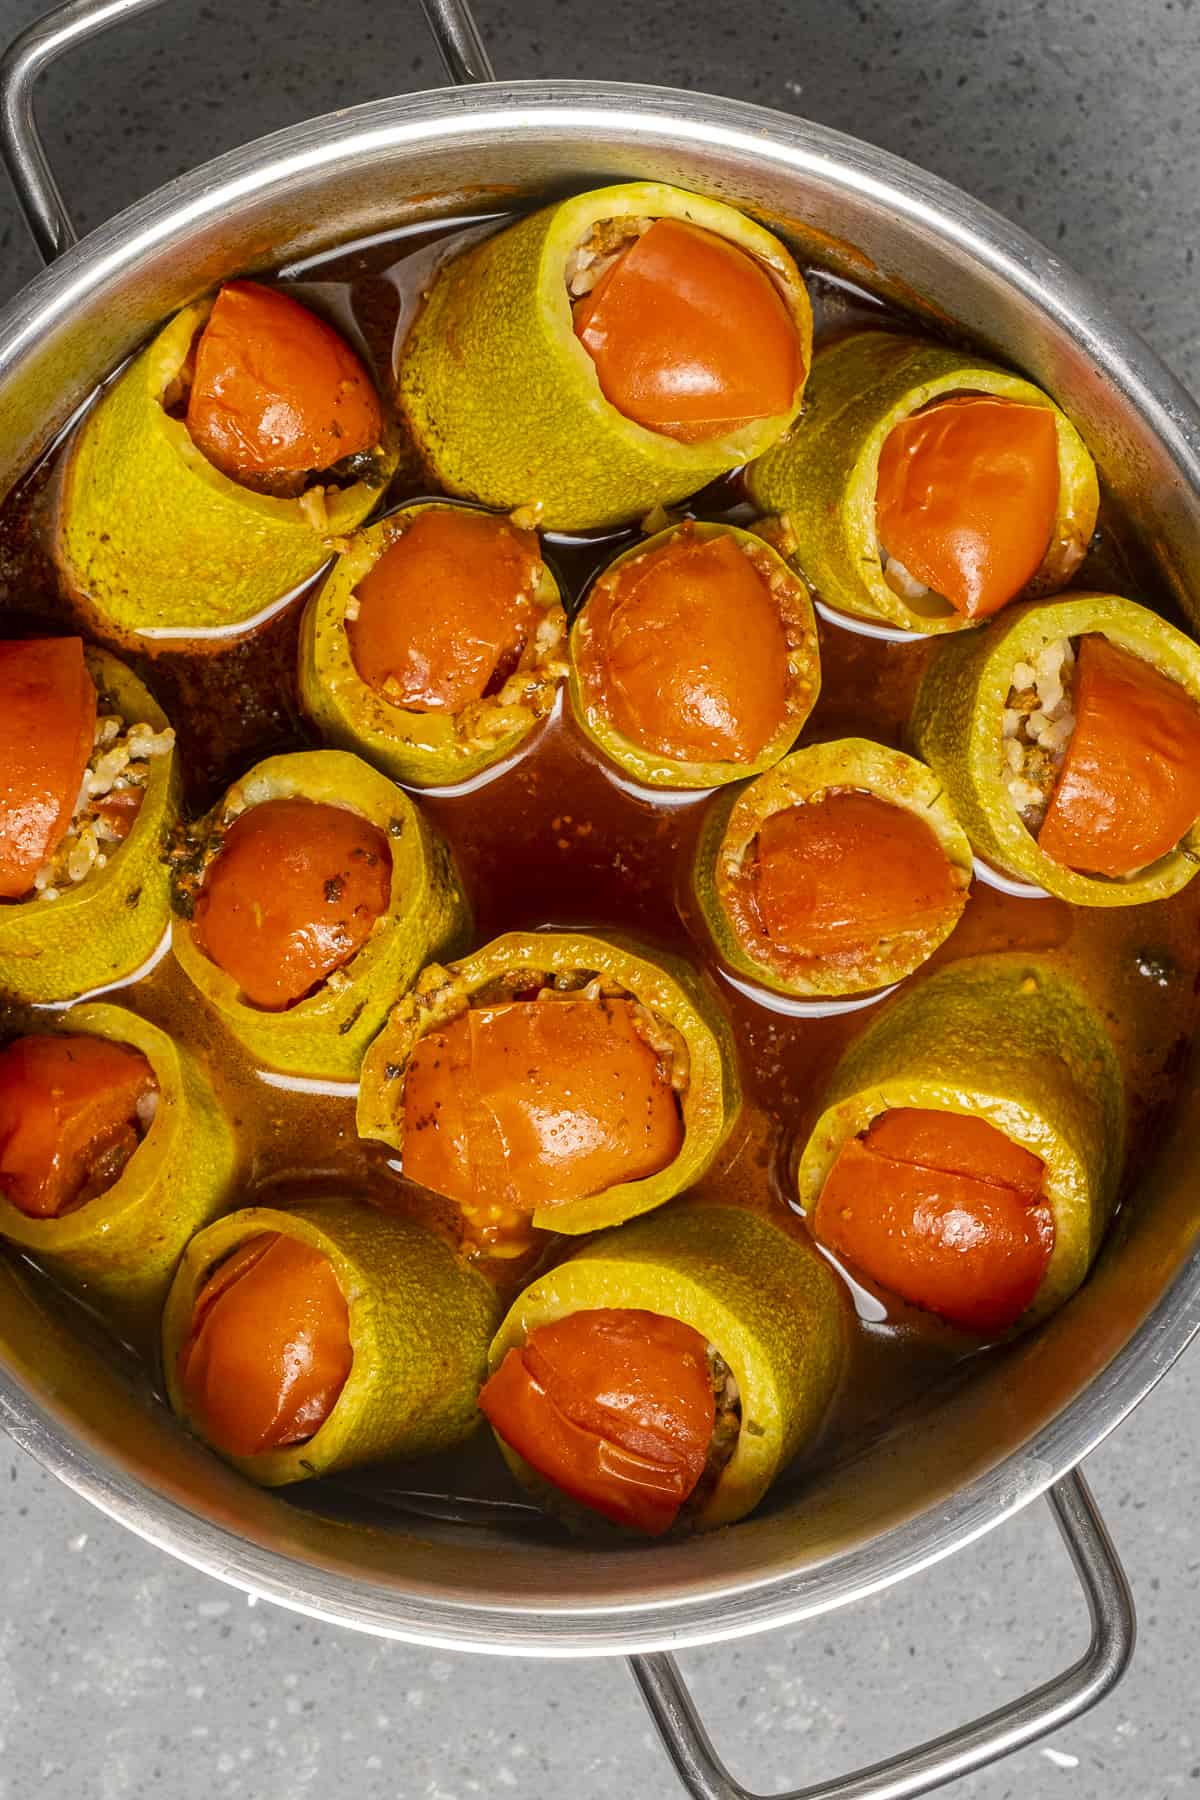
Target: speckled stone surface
[[125, 1675]]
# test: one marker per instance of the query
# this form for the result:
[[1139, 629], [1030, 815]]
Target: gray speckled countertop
[[123, 1674]]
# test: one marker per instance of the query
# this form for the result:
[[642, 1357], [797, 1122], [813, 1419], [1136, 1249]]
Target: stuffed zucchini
[[300, 1342], [1068, 738], [970, 1144], [927, 489], [218, 470], [663, 1375], [567, 1080], [308, 898], [694, 659], [88, 793], [840, 870], [113, 1152], [436, 644], [609, 353]]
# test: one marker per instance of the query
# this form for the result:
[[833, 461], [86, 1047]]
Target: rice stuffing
[[110, 797], [906, 586], [599, 251], [727, 1425], [1039, 718]]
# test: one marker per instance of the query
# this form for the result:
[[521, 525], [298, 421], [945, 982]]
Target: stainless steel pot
[[971, 1459]]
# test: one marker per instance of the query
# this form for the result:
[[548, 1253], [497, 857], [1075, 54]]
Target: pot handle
[[959, 1752], [455, 33]]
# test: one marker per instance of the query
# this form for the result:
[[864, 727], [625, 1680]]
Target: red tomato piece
[[446, 611], [269, 1350], [47, 732], [967, 497], [275, 389], [848, 869], [68, 1119], [689, 652], [1129, 786], [535, 1102], [291, 895], [615, 1407], [947, 1214], [690, 335]]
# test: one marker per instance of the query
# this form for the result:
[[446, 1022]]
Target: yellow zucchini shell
[[821, 478], [665, 985], [420, 1320], [1010, 1040], [325, 1035], [765, 1299], [734, 821], [156, 538], [804, 669], [119, 1251], [421, 749], [503, 401], [957, 726], [107, 925]]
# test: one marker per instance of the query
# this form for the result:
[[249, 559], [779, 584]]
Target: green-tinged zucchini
[[726, 854], [1008, 1040], [421, 749], [958, 727], [100, 929], [157, 539], [820, 480], [419, 1319], [326, 1033], [799, 687], [570, 963], [119, 1250], [764, 1299], [504, 402]]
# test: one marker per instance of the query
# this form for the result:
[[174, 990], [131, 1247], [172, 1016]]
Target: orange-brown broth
[[556, 840]]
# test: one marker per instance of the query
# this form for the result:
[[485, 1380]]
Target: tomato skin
[[276, 390], [939, 1211], [445, 608], [690, 336], [1129, 786], [967, 498], [842, 871], [291, 895], [691, 652], [535, 1102], [614, 1407], [47, 732], [958, 1144], [269, 1349], [68, 1119]]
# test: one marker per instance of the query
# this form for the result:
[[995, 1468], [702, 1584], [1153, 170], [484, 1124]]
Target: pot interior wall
[[967, 1457]]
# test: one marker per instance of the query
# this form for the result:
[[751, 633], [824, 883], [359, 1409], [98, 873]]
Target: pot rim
[[598, 114]]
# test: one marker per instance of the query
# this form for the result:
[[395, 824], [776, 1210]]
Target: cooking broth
[[557, 837]]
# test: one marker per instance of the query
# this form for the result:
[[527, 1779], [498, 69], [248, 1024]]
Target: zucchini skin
[[734, 819], [503, 402], [156, 539], [119, 1252], [109, 924], [325, 1035], [764, 1298], [420, 1320], [419, 749], [1011, 1040], [957, 726], [822, 477], [804, 671]]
